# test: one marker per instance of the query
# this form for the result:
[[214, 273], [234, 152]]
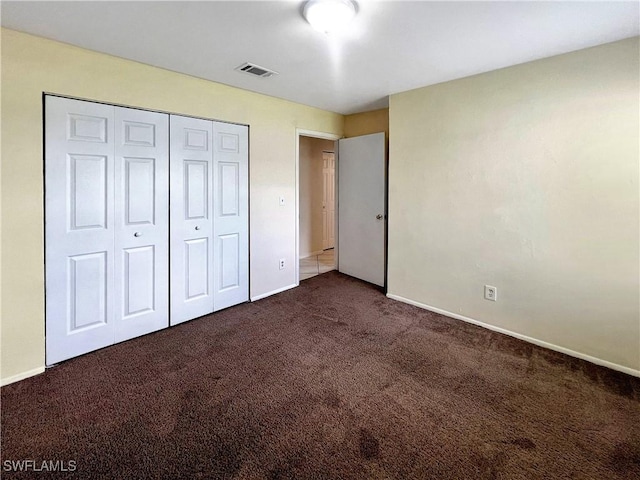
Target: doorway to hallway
[[317, 229]]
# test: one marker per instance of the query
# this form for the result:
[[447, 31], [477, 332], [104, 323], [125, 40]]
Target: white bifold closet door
[[142, 222], [106, 225], [209, 217], [191, 198], [230, 215]]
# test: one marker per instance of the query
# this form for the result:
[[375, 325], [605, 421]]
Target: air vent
[[256, 70]]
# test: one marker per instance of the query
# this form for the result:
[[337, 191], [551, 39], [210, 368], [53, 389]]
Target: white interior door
[[328, 200], [191, 199], [231, 214], [79, 227], [141, 222], [361, 207]]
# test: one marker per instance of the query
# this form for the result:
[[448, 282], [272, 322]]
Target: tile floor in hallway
[[317, 264]]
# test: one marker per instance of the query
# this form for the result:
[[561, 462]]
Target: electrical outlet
[[281, 264], [490, 293]]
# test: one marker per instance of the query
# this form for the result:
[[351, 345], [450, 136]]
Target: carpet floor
[[331, 380]]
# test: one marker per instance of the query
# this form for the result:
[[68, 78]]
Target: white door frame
[[314, 134]]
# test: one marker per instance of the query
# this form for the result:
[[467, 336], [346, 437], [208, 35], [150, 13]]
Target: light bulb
[[329, 15]]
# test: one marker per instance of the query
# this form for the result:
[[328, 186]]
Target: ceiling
[[390, 47]]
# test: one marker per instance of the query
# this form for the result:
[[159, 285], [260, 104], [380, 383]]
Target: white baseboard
[[312, 254], [21, 376], [273, 292], [535, 341]]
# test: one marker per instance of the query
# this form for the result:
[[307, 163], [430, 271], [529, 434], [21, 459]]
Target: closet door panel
[[231, 214], [79, 227], [191, 193], [142, 222]]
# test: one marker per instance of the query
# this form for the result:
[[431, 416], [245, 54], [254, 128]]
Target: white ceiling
[[391, 46]]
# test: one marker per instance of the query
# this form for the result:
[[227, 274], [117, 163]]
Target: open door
[[362, 207]]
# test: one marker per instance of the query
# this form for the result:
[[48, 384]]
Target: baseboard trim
[[312, 254], [535, 341], [273, 292], [21, 376]]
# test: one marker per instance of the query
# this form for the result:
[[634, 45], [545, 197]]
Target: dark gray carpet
[[329, 380]]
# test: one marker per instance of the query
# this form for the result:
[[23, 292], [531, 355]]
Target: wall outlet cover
[[490, 293]]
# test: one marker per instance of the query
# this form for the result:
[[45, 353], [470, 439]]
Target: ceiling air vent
[[256, 70]]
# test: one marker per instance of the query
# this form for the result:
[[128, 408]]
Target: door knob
[[197, 227], [137, 234], [379, 216]]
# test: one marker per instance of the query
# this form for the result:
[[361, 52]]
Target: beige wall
[[525, 178], [30, 66], [365, 123], [311, 190]]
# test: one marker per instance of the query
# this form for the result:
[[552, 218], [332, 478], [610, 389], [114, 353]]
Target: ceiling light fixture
[[329, 16]]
